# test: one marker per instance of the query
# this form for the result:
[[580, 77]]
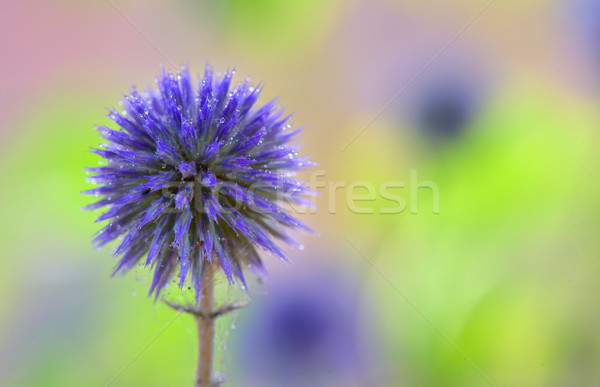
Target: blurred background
[[486, 112]]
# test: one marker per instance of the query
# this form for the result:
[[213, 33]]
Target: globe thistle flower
[[197, 175], [587, 19], [307, 332], [445, 109]]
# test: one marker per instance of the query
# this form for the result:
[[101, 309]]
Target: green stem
[[205, 322]]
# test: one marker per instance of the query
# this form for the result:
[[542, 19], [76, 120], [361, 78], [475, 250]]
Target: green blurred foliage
[[501, 270], [271, 27]]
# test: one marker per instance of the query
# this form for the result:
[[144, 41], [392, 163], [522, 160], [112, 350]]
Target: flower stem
[[205, 322]]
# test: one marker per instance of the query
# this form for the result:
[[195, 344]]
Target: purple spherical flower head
[[445, 109], [588, 19], [307, 332], [195, 176]]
